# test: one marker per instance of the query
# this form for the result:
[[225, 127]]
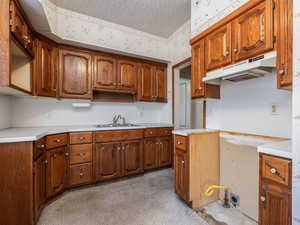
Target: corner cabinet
[[199, 88], [75, 74], [275, 201]]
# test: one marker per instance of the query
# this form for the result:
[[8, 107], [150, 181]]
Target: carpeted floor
[[142, 200]]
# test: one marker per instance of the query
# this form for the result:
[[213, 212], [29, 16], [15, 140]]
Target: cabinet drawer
[[181, 142], [166, 131], [81, 153], [56, 140], [39, 148], [151, 132], [81, 138], [276, 169], [81, 174], [118, 135]]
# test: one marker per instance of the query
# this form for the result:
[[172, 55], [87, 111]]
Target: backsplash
[[5, 112], [32, 111]]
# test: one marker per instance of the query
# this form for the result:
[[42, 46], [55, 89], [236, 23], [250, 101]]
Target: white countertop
[[187, 132], [278, 148], [24, 134]]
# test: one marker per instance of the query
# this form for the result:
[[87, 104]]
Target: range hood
[[245, 70]]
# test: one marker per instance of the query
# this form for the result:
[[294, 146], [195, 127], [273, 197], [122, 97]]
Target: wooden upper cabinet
[[218, 48], [146, 82], [284, 33], [160, 84], [75, 74], [198, 69], [127, 76], [46, 69], [105, 73], [253, 32]]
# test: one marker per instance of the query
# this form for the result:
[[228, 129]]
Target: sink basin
[[117, 125]]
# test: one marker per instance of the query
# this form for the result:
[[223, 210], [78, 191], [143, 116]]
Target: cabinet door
[[198, 70], [165, 151], [46, 69], [253, 32], [16, 22], [132, 157], [275, 205], [218, 48], [39, 185], [105, 73], [151, 146], [284, 21], [127, 76], [57, 171], [181, 175], [146, 83], [75, 74], [160, 84], [108, 161]]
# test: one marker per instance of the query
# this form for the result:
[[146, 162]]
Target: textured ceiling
[[158, 17]]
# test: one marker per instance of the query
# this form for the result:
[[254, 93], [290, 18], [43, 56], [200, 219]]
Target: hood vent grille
[[248, 75]]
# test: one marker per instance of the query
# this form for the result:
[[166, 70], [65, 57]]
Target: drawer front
[[81, 153], [181, 142], [166, 131], [39, 148], [151, 132], [81, 138], [118, 135], [57, 140], [276, 169], [81, 174]]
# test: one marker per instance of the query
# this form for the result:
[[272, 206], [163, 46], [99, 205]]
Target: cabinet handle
[[81, 138], [82, 154], [81, 175], [46, 162], [227, 53], [58, 140], [199, 89], [179, 143], [182, 162], [263, 198], [41, 146], [67, 154], [235, 50]]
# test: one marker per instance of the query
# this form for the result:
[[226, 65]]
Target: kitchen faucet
[[117, 118]]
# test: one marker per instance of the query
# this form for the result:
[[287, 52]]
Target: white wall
[[5, 112], [246, 107], [31, 111]]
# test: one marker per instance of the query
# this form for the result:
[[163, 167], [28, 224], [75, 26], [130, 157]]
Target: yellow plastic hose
[[209, 192]]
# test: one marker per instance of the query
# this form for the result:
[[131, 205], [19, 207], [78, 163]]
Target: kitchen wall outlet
[[234, 199], [274, 109]]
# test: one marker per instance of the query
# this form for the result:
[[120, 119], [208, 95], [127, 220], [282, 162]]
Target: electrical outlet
[[274, 109]]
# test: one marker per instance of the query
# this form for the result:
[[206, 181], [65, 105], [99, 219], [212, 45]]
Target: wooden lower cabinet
[[39, 188], [150, 154], [57, 170], [182, 175], [108, 161], [275, 200], [132, 157], [165, 151]]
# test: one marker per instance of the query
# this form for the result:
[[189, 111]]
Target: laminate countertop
[[187, 132], [23, 134], [278, 148]]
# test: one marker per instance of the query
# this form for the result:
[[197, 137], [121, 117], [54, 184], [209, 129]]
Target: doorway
[[188, 113]]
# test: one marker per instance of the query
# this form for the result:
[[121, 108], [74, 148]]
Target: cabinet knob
[[227, 53], [281, 72], [41, 146], [263, 198], [199, 89], [182, 162], [58, 140], [119, 148], [81, 138], [67, 154], [81, 174], [273, 170], [82, 154], [235, 50], [179, 143], [46, 161]]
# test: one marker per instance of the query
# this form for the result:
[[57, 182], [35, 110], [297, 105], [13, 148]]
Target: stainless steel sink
[[117, 125]]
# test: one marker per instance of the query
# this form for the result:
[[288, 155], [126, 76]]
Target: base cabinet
[[132, 157], [181, 175], [275, 201], [150, 154], [57, 170]]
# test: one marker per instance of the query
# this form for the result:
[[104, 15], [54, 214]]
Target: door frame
[[175, 70]]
